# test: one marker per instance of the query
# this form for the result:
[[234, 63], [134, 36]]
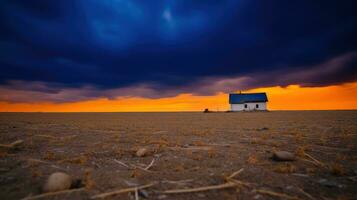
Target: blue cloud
[[119, 43]]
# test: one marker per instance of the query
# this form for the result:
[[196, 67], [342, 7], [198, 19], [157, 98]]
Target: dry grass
[[183, 146]]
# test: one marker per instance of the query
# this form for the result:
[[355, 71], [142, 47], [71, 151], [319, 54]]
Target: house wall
[[250, 106]]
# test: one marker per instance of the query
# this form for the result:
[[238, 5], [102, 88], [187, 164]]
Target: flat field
[[186, 150]]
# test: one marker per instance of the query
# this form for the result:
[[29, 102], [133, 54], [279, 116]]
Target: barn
[[248, 101]]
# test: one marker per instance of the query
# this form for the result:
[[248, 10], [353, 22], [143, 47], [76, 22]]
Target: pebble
[[283, 156], [57, 181], [142, 152]]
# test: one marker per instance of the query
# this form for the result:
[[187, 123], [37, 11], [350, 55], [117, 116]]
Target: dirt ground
[[190, 150]]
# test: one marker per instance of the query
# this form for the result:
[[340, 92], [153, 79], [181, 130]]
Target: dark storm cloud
[[74, 50]]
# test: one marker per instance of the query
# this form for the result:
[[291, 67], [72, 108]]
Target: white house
[[248, 101]]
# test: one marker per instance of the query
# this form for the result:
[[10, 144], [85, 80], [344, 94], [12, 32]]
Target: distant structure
[[248, 101]]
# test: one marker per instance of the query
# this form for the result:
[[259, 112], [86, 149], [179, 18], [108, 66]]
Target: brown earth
[[190, 149]]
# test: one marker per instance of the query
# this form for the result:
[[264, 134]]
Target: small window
[[256, 105], [245, 106]]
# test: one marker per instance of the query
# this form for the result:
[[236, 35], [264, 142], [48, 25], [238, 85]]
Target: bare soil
[[190, 150]]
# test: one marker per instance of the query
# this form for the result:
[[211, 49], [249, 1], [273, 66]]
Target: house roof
[[247, 97]]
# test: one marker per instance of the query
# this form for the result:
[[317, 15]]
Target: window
[[245, 106], [256, 105]]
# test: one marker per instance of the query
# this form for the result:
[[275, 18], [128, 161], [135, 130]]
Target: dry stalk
[[135, 167], [136, 194], [53, 194], [219, 145], [204, 148], [37, 161], [120, 191], [309, 161], [234, 174], [12, 145], [306, 194], [317, 162], [276, 194], [150, 165], [314, 159], [46, 136], [200, 189], [181, 182], [239, 182], [123, 164]]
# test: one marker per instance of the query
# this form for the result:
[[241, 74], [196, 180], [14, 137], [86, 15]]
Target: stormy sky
[[73, 50]]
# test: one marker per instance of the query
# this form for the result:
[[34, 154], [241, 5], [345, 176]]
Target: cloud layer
[[65, 51], [320, 74]]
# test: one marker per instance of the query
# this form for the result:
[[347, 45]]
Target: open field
[[190, 150]]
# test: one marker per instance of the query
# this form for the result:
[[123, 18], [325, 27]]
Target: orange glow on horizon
[[292, 97]]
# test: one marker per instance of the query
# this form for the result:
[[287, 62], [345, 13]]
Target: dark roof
[[247, 97]]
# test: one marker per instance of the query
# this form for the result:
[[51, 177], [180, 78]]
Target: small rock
[[57, 181], [283, 156], [142, 152]]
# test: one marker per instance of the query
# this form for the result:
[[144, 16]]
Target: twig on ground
[[123, 164], [200, 189], [204, 148], [150, 165], [137, 167], [37, 160], [133, 166], [181, 182], [235, 174], [53, 194], [120, 191], [276, 194], [219, 145], [12, 145], [136, 194], [300, 175], [159, 132], [240, 182], [43, 162], [306, 194], [309, 161], [315, 160], [46, 136]]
